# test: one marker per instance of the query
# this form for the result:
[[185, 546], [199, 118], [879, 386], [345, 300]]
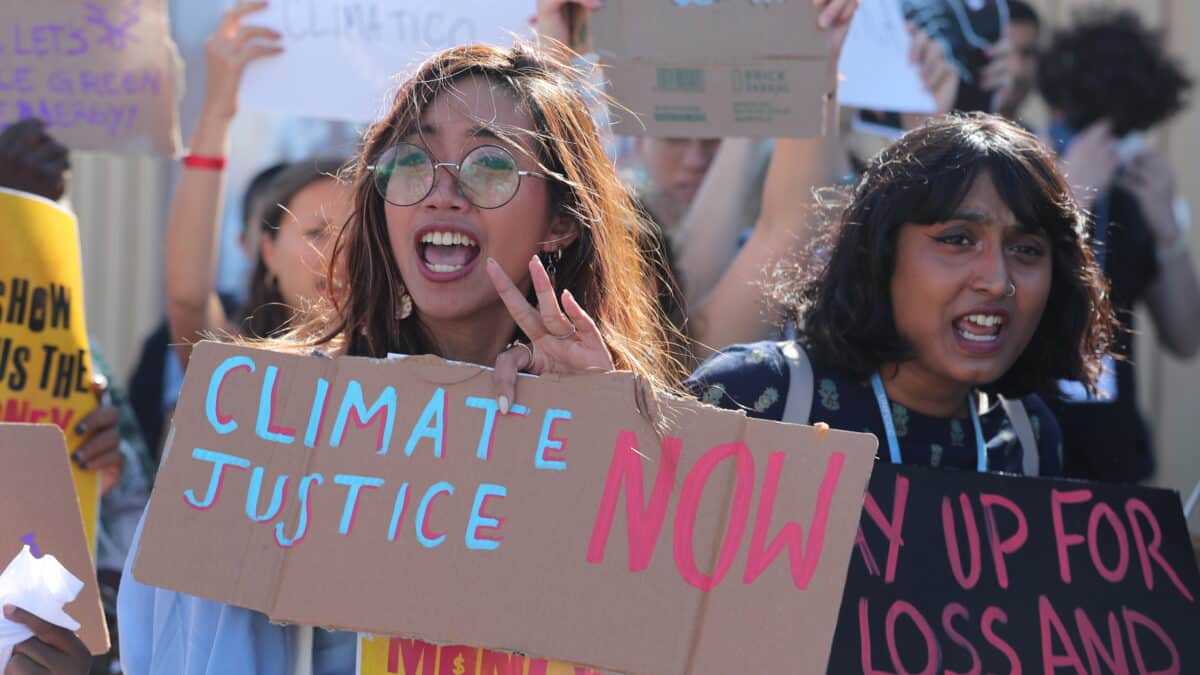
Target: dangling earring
[[550, 260], [271, 281], [404, 310]]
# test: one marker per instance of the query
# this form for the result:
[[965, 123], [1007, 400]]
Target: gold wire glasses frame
[[501, 180]]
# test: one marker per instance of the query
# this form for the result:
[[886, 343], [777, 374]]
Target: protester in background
[[32, 161], [305, 203], [720, 278], [154, 385], [429, 255], [957, 272], [1108, 80], [1024, 36], [668, 173]]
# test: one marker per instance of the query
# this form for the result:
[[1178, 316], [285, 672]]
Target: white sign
[[343, 58], [875, 68]]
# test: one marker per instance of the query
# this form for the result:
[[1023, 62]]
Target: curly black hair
[[1108, 65], [840, 293]]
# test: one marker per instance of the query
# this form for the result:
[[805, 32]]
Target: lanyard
[[889, 427]]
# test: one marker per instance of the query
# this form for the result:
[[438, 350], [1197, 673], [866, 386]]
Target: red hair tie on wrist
[[205, 163]]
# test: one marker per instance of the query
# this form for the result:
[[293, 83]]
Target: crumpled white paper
[[40, 586]]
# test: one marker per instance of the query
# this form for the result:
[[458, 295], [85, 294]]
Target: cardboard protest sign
[[963, 572], [703, 69], [45, 369], [38, 508], [103, 74], [875, 67], [389, 497], [352, 55]]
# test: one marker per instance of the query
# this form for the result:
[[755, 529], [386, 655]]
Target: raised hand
[[835, 15], [998, 76], [1091, 162], [938, 75], [1148, 177], [227, 52], [563, 339], [552, 20]]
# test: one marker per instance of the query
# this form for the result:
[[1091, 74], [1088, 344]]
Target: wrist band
[[203, 162]]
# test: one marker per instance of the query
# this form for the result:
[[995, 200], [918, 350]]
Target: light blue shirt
[[163, 631]]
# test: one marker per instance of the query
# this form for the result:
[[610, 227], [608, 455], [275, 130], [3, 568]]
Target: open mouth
[[445, 252], [979, 327]]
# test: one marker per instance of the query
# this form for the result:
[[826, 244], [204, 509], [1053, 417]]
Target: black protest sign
[[979, 573]]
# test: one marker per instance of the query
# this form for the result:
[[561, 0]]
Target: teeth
[[448, 239], [985, 319], [443, 268], [977, 338]]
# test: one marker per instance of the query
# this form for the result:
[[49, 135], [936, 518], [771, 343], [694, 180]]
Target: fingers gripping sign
[[52, 649], [563, 338]]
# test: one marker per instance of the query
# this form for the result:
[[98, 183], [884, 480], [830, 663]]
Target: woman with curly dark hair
[[953, 288], [1107, 80]]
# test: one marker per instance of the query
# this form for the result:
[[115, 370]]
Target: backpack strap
[[797, 408], [1019, 417]]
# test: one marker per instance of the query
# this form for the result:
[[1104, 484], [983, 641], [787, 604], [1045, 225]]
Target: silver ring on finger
[[528, 350], [568, 336]]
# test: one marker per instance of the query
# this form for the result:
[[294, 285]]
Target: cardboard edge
[[178, 74], [49, 429]]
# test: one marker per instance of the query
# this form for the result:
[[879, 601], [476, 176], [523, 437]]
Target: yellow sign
[[45, 368], [401, 656]]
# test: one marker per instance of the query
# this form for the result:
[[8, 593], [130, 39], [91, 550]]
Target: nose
[[446, 193], [992, 277]]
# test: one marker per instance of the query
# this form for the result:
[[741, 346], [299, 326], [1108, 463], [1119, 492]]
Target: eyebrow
[[979, 217], [477, 131]]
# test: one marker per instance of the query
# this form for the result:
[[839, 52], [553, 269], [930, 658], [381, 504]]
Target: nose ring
[[1011, 290]]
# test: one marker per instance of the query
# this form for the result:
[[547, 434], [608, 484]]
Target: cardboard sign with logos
[[704, 69]]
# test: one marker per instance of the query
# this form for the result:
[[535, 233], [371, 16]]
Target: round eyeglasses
[[488, 176]]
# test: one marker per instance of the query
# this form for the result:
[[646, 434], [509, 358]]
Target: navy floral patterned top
[[755, 377]]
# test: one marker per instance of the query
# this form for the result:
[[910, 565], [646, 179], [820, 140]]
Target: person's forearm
[[799, 166], [1175, 304], [739, 309], [193, 234], [706, 239]]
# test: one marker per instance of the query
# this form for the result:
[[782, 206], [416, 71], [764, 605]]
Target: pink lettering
[[1049, 621], [689, 504], [643, 521], [1063, 540], [1010, 545], [966, 580], [892, 529], [1133, 508], [791, 534]]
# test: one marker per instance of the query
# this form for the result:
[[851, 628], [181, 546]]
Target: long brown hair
[[604, 268]]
